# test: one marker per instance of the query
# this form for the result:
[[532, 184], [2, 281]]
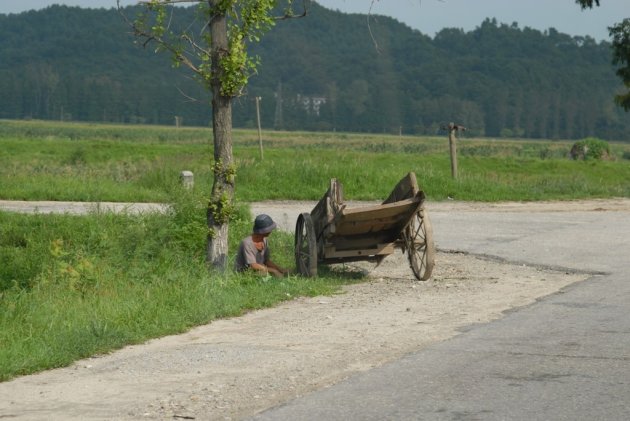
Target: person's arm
[[275, 269], [269, 268]]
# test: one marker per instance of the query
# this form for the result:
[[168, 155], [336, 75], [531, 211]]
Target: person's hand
[[275, 272]]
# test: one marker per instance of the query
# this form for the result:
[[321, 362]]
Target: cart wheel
[[305, 246], [420, 247]]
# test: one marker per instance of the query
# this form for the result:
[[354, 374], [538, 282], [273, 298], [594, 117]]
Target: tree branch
[[194, 45], [288, 13], [166, 2], [378, 50], [149, 37], [185, 95], [587, 4]]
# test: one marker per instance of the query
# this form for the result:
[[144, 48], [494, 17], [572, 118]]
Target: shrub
[[590, 148]]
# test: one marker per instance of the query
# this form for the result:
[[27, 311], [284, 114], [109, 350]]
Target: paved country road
[[566, 357], [526, 317]]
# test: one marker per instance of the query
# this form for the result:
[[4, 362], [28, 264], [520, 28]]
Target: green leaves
[[621, 55], [587, 3], [590, 148], [248, 20]]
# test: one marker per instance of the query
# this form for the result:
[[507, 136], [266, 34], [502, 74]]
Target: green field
[[74, 286], [61, 161]]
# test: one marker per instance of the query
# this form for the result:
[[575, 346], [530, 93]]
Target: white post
[[187, 179]]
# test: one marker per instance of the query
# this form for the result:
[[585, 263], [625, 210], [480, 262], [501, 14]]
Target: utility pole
[[278, 120], [452, 142], [259, 130]]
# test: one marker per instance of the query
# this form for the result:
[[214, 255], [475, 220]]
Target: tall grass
[[75, 286]]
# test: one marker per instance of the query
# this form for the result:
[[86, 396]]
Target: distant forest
[[323, 72]]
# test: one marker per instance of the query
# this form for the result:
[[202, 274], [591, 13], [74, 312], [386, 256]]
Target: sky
[[430, 16]]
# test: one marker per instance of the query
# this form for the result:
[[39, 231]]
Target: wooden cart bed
[[341, 234]]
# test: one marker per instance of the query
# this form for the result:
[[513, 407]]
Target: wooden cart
[[333, 233]]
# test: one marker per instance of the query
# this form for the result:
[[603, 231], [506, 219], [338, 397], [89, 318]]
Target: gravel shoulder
[[234, 368]]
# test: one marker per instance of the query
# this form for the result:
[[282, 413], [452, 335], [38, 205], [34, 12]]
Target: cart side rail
[[331, 204], [389, 219], [406, 188]]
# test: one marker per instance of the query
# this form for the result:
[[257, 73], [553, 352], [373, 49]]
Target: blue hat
[[264, 224]]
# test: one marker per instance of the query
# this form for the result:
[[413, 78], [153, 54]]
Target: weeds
[[75, 286]]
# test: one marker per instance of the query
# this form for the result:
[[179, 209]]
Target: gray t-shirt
[[248, 254]]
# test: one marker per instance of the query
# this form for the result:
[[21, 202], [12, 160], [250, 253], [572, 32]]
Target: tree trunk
[[223, 186]]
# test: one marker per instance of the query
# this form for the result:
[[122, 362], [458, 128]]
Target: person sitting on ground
[[254, 253]]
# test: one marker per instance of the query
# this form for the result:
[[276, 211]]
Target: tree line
[[328, 71]]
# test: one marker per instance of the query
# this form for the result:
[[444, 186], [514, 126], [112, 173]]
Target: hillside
[[323, 72]]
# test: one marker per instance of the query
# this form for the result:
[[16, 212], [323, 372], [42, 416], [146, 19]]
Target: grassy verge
[[75, 286]]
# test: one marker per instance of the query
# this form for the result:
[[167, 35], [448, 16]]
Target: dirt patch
[[233, 368]]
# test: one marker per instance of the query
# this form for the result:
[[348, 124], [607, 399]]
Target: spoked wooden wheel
[[305, 246], [420, 247]]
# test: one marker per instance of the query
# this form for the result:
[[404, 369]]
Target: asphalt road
[[566, 357]]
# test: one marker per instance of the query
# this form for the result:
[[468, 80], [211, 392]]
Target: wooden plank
[[370, 227], [380, 250], [392, 232], [329, 206], [367, 213], [406, 188], [353, 259], [392, 217], [381, 220], [361, 242]]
